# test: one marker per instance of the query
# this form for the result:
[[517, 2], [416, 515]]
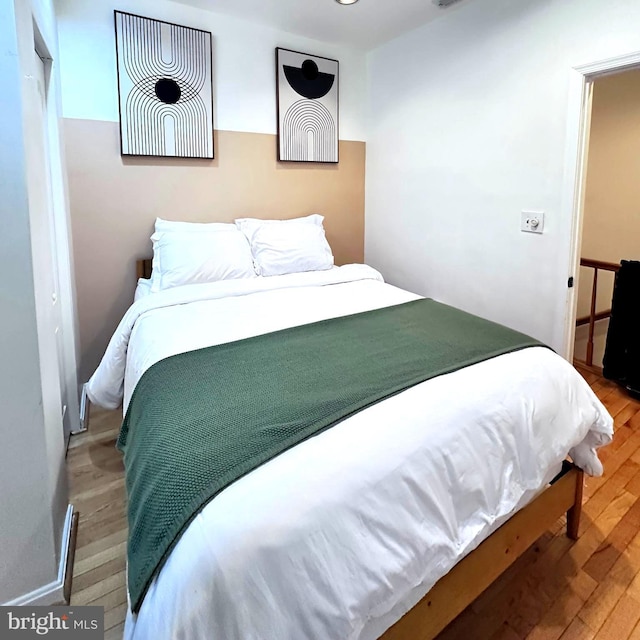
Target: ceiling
[[363, 25]]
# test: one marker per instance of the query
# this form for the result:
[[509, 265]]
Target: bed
[[388, 523]]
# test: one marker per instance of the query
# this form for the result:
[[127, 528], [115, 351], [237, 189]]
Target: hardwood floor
[[96, 477], [559, 589]]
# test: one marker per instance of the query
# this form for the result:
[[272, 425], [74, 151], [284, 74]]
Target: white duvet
[[338, 537]]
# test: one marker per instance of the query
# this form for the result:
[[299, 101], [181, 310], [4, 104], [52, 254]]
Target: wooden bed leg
[[573, 515]]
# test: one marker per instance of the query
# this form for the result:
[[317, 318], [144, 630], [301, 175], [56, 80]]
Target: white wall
[[33, 500], [468, 125], [244, 65]]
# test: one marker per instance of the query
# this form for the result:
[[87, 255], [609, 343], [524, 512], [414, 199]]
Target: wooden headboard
[[143, 268]]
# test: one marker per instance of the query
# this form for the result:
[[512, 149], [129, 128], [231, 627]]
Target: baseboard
[[71, 557], [85, 408], [592, 368], [54, 592]]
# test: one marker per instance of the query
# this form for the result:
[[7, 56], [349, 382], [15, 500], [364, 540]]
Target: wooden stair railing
[[593, 317]]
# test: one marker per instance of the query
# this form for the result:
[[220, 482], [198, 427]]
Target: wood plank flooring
[[558, 590], [96, 478]]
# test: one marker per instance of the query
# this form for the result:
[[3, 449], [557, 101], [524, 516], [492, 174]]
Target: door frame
[[60, 236], [575, 169]]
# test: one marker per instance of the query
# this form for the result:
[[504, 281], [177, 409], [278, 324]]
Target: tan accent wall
[[612, 199], [115, 200]]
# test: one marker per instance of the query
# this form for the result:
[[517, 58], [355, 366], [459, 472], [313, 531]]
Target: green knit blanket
[[200, 420]]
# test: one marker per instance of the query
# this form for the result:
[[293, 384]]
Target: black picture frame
[[206, 138], [317, 112]]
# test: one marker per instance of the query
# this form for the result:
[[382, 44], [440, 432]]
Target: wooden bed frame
[[476, 571], [143, 268]]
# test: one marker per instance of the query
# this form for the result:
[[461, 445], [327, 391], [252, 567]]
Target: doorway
[[591, 134], [611, 222], [46, 248]]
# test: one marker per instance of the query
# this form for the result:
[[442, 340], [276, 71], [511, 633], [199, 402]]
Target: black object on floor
[[622, 353]]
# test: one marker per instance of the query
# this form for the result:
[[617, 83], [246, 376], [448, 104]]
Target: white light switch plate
[[532, 221]]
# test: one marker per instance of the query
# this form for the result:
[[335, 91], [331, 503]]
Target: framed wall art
[[165, 88], [307, 99]]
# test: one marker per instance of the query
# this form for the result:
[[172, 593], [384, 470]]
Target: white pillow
[[191, 253], [197, 227], [287, 246]]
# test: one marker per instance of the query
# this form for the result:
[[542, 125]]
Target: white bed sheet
[[381, 505]]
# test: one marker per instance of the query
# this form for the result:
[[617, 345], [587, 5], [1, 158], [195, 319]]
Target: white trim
[[53, 592], [576, 148], [578, 126], [610, 65], [84, 411]]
